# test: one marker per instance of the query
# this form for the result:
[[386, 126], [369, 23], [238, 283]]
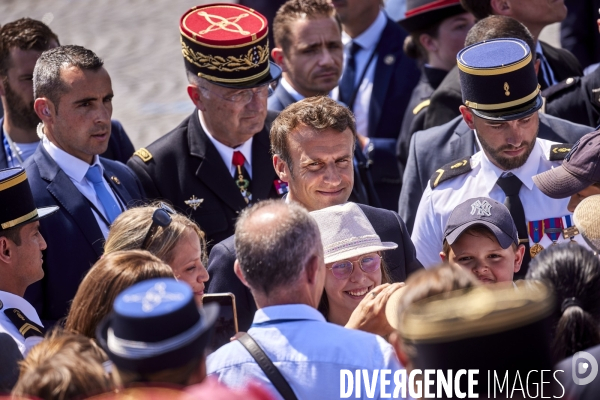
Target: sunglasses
[[160, 217], [344, 268]]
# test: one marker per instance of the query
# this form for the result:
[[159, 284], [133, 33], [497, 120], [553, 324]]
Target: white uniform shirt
[[368, 41], [76, 170], [437, 204], [9, 300], [308, 351]]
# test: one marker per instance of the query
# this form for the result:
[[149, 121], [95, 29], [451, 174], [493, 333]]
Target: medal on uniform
[[553, 228], [536, 232], [241, 182], [569, 230]]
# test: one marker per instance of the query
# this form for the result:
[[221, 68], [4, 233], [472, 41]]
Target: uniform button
[[569, 81]]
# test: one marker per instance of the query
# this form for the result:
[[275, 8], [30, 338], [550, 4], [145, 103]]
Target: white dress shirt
[[9, 300], [226, 152], [437, 204], [76, 170], [368, 41], [288, 335]]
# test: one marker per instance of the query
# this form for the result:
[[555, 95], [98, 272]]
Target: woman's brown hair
[[112, 274]]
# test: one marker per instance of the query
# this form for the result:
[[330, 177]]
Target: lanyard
[[10, 150], [362, 77]]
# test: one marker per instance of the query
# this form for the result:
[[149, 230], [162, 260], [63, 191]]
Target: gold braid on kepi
[[587, 220], [228, 45]]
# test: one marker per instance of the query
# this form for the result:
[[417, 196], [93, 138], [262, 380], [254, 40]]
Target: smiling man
[[217, 161], [73, 98], [501, 99]]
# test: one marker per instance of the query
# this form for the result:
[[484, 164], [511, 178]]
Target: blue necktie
[[347, 82], [111, 207]]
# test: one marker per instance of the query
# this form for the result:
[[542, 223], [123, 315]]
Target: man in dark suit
[[309, 50], [21, 43], [435, 147], [66, 171], [555, 64], [377, 84], [312, 143], [579, 31], [217, 160]]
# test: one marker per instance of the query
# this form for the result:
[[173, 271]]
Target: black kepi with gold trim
[[228, 45], [16, 200], [498, 79]]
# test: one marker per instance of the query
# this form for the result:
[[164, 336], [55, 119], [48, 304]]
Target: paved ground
[[139, 41]]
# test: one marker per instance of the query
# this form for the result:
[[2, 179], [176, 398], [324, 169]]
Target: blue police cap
[[482, 211], [155, 325], [498, 79]]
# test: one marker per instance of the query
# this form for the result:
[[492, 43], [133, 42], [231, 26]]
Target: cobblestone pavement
[[139, 42]]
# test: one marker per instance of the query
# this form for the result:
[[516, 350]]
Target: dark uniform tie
[[346, 86], [511, 185], [545, 71], [241, 176]]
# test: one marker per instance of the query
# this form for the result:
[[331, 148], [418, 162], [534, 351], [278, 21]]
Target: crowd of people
[[373, 196]]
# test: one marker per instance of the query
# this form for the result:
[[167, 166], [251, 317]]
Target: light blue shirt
[[308, 351]]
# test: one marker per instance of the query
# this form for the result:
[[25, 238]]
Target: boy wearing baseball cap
[[481, 237]]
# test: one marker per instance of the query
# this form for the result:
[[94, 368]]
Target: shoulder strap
[[562, 151], [267, 367], [450, 170]]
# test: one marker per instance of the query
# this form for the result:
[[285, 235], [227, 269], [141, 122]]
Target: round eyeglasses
[[245, 96], [160, 217], [344, 268]]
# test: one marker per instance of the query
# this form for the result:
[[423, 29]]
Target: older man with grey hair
[[280, 258]]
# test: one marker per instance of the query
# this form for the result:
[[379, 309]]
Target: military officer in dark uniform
[[437, 31], [501, 97], [217, 160], [576, 99]]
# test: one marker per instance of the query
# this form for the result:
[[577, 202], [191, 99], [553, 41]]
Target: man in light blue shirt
[[280, 258]]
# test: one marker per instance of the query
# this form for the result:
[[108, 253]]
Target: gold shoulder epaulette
[[421, 106], [450, 170], [143, 154], [559, 151]]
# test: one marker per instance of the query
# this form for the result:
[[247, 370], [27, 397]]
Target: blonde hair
[[65, 366], [129, 230], [112, 274]]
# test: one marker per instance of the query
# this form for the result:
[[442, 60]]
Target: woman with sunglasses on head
[[357, 284], [170, 236]]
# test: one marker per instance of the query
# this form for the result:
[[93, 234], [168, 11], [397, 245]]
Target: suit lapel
[[383, 74], [283, 96], [262, 166], [70, 199], [212, 170], [112, 179], [3, 158]]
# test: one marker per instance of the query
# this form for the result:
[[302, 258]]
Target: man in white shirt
[[73, 98], [377, 84], [280, 258], [21, 246], [502, 98]]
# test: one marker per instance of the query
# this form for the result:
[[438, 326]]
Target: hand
[[363, 141], [369, 315]]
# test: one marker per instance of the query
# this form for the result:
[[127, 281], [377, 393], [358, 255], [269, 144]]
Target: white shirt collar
[[71, 165], [226, 152], [369, 38], [287, 311], [288, 88], [491, 173]]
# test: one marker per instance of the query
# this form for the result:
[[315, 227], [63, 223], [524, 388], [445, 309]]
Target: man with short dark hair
[[73, 98], [21, 44], [377, 84], [21, 246], [312, 142], [217, 162], [280, 258]]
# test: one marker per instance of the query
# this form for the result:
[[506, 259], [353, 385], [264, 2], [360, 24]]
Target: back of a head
[[274, 241], [574, 274], [64, 366], [499, 26], [293, 10], [112, 274], [318, 113], [479, 8], [587, 220], [46, 75], [24, 34]]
